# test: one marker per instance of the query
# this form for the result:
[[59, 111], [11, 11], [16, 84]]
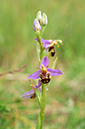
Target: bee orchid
[[50, 45], [44, 73], [31, 93]]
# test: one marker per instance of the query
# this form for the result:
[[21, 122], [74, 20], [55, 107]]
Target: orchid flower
[[31, 93], [49, 45], [44, 72]]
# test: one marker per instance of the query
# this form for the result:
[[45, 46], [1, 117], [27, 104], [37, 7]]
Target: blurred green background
[[65, 108]]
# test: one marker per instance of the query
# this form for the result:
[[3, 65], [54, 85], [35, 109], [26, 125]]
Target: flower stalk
[[43, 99], [42, 108], [39, 39], [43, 73], [42, 112]]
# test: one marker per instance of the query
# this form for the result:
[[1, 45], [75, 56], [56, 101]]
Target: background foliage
[[65, 107]]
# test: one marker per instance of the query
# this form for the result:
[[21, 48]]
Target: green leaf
[[38, 95], [38, 51], [38, 122], [54, 63]]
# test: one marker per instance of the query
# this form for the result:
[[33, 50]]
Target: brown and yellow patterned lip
[[43, 70]]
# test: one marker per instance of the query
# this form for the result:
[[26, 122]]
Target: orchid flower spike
[[44, 73]]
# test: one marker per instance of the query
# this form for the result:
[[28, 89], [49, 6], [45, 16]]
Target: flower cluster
[[40, 20], [43, 73], [39, 25]]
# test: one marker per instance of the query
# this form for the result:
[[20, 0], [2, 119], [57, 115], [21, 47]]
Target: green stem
[[39, 124], [43, 100], [39, 37], [41, 52], [43, 28]]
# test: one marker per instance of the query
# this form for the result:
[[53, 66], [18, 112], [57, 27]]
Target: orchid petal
[[35, 75], [54, 72], [39, 84], [36, 39], [44, 61], [47, 89], [46, 46], [40, 89], [46, 41], [28, 94]]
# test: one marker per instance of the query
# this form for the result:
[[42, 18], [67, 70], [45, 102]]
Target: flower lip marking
[[44, 75], [43, 70], [45, 79], [52, 50], [33, 96]]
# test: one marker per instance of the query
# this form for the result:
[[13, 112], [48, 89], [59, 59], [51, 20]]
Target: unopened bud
[[36, 25], [39, 17], [44, 19]]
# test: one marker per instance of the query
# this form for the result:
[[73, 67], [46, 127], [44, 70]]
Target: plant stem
[[39, 39], [43, 28], [43, 102], [39, 124], [41, 52]]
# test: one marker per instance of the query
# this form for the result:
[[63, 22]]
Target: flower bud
[[39, 17], [36, 25], [44, 19]]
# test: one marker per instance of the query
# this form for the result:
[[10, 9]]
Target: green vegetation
[[65, 107]]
